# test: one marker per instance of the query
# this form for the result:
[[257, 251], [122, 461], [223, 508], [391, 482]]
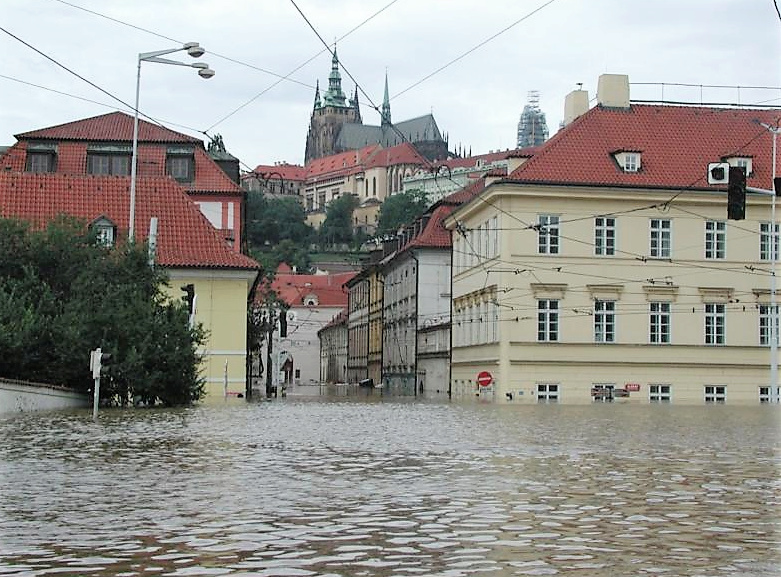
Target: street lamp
[[773, 392], [194, 50]]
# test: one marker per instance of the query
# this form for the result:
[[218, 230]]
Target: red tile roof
[[294, 288], [435, 235], [339, 164], [465, 194], [471, 161], [400, 154], [676, 144], [185, 237], [118, 127], [289, 172], [111, 127]]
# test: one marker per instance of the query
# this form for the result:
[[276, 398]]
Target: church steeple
[[334, 96], [386, 113], [317, 95]]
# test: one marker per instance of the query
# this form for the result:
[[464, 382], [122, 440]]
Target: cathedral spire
[[386, 112], [334, 96], [317, 95]]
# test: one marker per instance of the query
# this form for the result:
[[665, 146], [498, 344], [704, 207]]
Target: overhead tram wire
[[164, 37], [80, 77], [297, 68], [228, 58], [480, 45]]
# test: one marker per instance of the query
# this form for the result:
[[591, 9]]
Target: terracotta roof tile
[[111, 127], [435, 235], [327, 288], [289, 172], [342, 163], [400, 154], [676, 143], [185, 237]]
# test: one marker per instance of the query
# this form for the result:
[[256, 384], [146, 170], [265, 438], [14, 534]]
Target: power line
[[480, 45], [111, 106], [297, 68]]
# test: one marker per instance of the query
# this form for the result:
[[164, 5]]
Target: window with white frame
[[765, 314], [659, 393], [547, 234], [604, 321], [547, 392], [604, 236], [659, 322], [765, 235], [547, 320], [764, 394], [715, 321], [715, 393], [715, 239], [660, 237], [631, 162]]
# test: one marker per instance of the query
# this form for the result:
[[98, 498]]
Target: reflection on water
[[386, 487]]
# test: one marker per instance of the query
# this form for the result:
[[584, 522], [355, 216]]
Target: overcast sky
[[550, 46]]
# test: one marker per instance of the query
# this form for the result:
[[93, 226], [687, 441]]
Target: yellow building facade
[[605, 268], [221, 308]]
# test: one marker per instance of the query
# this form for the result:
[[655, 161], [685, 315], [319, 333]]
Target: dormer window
[[108, 159], [180, 163], [41, 157], [628, 161], [106, 231], [744, 162]]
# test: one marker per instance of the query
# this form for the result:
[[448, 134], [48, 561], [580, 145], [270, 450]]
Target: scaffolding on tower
[[532, 128]]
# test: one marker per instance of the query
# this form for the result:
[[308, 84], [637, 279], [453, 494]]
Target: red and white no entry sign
[[484, 378]]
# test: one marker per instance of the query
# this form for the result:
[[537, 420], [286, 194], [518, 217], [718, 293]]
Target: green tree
[[338, 225], [271, 220], [62, 293], [401, 209]]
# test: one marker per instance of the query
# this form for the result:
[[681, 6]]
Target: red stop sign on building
[[484, 378]]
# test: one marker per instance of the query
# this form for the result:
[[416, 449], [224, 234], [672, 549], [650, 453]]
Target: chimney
[[613, 91], [575, 104]]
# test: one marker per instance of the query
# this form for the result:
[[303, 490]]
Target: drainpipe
[[417, 299], [450, 348], [248, 345]]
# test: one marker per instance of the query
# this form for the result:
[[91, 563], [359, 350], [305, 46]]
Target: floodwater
[[380, 487]]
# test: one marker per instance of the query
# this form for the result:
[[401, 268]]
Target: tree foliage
[[62, 294], [338, 225], [272, 220], [401, 209]]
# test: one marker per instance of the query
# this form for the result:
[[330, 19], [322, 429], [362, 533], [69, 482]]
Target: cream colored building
[[605, 267]]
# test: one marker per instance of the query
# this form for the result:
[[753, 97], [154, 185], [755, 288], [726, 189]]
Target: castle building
[[336, 125]]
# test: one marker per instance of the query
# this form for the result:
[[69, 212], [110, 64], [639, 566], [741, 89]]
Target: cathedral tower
[[329, 115]]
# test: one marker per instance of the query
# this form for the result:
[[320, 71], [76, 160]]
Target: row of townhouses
[[600, 267]]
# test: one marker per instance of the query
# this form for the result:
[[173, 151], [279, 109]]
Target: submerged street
[[378, 486]]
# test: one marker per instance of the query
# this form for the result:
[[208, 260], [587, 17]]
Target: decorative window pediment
[[553, 291], [716, 294]]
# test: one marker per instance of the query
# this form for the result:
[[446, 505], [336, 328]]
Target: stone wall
[[21, 396]]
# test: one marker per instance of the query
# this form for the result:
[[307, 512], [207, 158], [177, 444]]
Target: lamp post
[[194, 50], [773, 392]]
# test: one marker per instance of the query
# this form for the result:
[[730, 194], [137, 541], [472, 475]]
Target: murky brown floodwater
[[383, 487]]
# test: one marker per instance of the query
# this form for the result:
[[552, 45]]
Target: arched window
[[374, 186]]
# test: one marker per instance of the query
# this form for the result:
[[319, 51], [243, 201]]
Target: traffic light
[[283, 323], [736, 193], [99, 362], [189, 297]]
